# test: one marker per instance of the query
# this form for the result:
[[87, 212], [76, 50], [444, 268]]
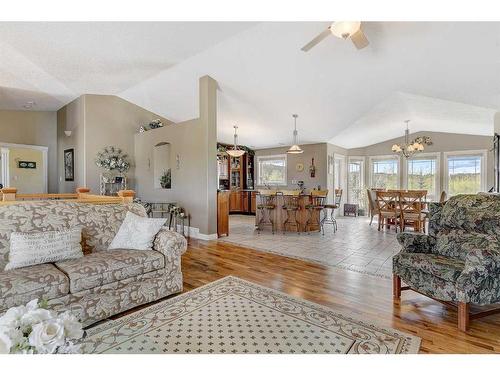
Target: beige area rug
[[232, 315]]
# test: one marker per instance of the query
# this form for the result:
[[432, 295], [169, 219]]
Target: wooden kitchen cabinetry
[[223, 213]]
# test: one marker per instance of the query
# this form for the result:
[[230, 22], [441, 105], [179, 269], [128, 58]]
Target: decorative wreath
[[112, 158]]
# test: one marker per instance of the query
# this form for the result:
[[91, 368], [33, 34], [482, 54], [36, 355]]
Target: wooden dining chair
[[412, 204], [442, 197], [372, 204], [389, 207]]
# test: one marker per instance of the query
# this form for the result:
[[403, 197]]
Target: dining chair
[[318, 202], [372, 204], [291, 206], [389, 207], [412, 205], [442, 197]]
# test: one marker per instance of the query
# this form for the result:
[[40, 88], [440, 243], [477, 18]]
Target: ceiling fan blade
[[316, 40], [359, 39]]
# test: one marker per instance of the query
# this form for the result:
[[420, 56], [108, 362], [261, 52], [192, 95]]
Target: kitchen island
[[279, 215]]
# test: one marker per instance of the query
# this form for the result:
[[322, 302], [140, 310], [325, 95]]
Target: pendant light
[[235, 152], [295, 149]]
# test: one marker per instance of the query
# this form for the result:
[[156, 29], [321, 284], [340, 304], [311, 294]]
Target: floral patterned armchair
[[459, 260]]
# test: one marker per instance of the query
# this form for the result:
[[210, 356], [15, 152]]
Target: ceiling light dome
[[295, 149], [345, 29], [235, 152]]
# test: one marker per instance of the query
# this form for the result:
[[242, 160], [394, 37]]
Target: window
[[271, 170], [465, 172], [384, 172], [355, 185], [423, 174]]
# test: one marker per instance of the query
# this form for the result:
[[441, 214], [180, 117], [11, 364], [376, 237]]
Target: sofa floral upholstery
[[103, 282], [459, 260]]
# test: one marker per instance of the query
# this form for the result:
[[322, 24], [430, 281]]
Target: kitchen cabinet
[[223, 213], [235, 201]]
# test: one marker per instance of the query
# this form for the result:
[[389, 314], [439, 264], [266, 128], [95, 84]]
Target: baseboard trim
[[193, 232]]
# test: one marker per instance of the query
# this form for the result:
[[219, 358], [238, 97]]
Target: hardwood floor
[[362, 296]]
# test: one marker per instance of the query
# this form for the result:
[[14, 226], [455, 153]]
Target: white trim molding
[[271, 157], [484, 160], [5, 176]]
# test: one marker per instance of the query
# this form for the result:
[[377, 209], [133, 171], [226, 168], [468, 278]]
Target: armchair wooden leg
[[463, 316], [396, 287]]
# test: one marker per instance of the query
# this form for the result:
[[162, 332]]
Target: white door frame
[[43, 149], [343, 179], [4, 156]]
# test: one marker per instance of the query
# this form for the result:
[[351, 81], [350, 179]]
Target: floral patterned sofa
[[459, 260], [103, 282]]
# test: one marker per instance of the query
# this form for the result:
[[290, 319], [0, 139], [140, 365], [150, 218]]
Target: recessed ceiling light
[[29, 105]]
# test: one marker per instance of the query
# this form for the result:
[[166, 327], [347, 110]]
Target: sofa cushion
[[457, 243], [29, 249], [105, 267], [437, 265], [21, 285]]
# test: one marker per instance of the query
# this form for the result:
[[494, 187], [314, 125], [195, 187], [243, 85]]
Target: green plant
[[166, 179]]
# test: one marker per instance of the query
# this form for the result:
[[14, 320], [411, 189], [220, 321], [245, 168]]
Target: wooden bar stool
[[266, 205], [291, 206], [330, 219], [318, 202]]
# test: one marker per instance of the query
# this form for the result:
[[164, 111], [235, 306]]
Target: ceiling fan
[[344, 30]]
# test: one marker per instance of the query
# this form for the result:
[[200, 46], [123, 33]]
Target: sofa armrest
[[486, 260], [170, 243], [479, 282], [416, 242]]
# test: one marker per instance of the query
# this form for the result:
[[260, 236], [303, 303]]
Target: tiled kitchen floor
[[356, 245]]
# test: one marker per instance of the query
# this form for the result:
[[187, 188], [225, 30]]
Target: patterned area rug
[[232, 315]]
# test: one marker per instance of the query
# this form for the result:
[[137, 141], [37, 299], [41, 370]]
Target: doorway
[[24, 167]]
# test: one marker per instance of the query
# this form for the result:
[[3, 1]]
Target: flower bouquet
[[34, 329]]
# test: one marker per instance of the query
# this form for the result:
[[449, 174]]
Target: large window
[[355, 185], [384, 172], [465, 172], [271, 170], [423, 174]]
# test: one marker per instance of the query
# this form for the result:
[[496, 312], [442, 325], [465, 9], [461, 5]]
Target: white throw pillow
[[29, 249], [136, 233]]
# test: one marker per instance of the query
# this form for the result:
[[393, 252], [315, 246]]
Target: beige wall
[[194, 178], [27, 181], [112, 121], [97, 121], [33, 128], [71, 117], [317, 151], [442, 142]]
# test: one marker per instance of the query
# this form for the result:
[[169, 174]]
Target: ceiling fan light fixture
[[345, 29]]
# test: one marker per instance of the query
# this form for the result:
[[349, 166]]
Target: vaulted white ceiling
[[442, 76]]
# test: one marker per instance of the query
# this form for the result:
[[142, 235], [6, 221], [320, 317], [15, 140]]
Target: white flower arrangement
[[113, 158], [33, 329]]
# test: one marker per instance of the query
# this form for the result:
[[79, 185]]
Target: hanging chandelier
[[295, 149], [235, 152], [411, 147]]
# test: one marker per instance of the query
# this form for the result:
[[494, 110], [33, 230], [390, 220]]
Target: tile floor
[[356, 245]]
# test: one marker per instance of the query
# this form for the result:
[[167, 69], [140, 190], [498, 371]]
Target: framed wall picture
[[69, 164], [23, 164]]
